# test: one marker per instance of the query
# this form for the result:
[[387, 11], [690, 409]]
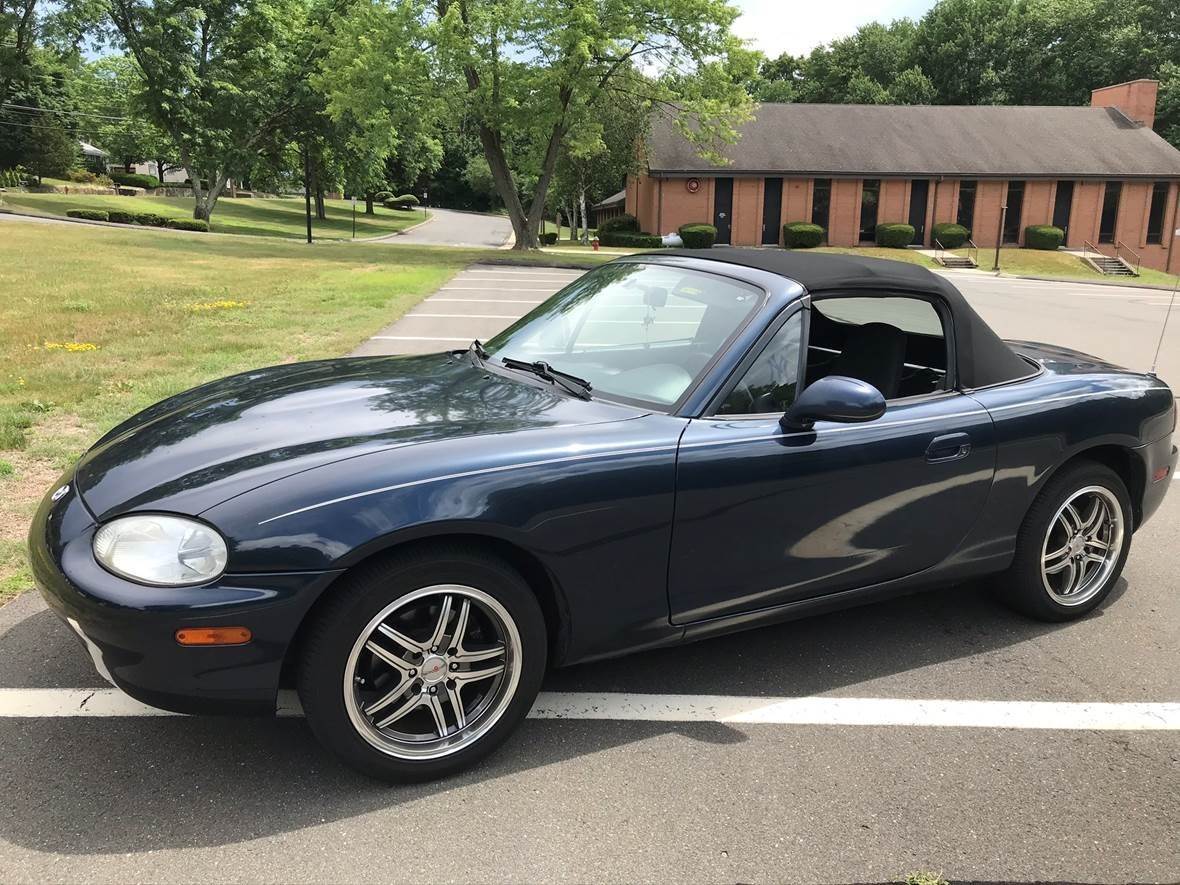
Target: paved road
[[120, 799], [449, 227]]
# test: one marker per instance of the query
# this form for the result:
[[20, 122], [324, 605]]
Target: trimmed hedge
[[408, 200], [549, 239], [802, 235], [187, 224], [951, 235], [894, 234], [150, 219], [630, 239], [622, 222], [1043, 236], [134, 179], [698, 235], [118, 216], [382, 196], [89, 214]]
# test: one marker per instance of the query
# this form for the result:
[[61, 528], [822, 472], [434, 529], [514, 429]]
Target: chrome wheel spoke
[[388, 698], [1071, 578], [462, 677], [410, 645], [483, 654], [440, 628], [461, 625], [434, 705], [1071, 519], [1095, 520], [387, 657], [413, 702], [453, 695], [1055, 561], [1087, 533]]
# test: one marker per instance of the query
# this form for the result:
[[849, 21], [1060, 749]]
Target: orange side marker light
[[213, 635]]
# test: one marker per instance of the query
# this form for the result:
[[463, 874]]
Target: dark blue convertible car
[[674, 446]]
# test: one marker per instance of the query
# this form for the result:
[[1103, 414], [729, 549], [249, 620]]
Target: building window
[[1062, 205], [869, 194], [1155, 218], [966, 214], [1110, 211], [1015, 207]]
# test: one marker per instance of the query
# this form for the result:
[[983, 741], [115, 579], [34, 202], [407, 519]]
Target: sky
[[798, 26]]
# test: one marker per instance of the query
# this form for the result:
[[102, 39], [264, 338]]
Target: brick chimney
[[1136, 99]]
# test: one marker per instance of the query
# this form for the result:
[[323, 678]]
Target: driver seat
[[873, 353]]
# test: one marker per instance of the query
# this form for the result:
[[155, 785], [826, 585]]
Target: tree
[[50, 149], [526, 73], [108, 90], [218, 76]]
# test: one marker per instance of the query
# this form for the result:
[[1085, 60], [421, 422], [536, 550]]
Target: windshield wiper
[[579, 387], [476, 349]]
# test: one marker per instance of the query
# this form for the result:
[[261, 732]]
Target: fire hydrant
[[594, 243]]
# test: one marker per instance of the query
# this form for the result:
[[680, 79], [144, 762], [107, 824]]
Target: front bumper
[[129, 629]]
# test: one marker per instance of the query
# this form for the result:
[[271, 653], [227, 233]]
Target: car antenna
[[1164, 330]]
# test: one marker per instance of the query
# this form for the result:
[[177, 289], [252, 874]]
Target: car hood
[[199, 448]]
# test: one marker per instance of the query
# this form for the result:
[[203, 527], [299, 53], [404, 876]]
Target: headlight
[[155, 549]]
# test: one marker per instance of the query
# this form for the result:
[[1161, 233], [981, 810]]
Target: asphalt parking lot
[[648, 796]]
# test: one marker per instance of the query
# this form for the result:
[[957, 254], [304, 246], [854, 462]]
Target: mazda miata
[[676, 445]]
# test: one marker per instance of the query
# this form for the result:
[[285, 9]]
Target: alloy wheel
[[1082, 545], [432, 672]]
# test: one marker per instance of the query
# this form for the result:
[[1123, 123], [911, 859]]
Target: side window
[[771, 382], [895, 343]]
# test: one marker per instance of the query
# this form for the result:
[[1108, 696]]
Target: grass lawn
[[98, 323], [268, 217], [1037, 263]]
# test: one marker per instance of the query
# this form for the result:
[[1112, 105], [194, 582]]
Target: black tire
[[1023, 586], [331, 638]]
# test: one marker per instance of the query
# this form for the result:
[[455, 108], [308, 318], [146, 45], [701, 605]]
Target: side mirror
[[834, 398]]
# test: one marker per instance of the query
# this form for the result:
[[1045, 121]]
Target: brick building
[[1098, 172]]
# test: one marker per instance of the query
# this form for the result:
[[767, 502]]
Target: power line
[[9, 106]]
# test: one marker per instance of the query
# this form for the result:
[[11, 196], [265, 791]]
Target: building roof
[[909, 140], [612, 200], [981, 356], [91, 151]]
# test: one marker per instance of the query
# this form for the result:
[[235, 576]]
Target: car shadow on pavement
[[116, 785]]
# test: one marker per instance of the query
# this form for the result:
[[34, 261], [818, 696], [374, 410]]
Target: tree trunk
[[320, 213], [493, 149], [369, 204], [585, 218]]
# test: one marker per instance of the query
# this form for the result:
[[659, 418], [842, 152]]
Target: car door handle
[[949, 447]]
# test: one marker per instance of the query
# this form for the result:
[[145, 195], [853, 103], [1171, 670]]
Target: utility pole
[[1000, 233], [307, 189], [354, 216]]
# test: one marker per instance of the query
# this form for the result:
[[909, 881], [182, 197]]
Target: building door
[[723, 209], [772, 210], [1062, 206], [919, 192]]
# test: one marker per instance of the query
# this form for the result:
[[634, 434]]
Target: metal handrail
[[1119, 244], [938, 251], [973, 251]]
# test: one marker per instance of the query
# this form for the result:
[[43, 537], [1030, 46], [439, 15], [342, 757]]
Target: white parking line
[[464, 316], [480, 301], [109, 702], [547, 289], [415, 338]]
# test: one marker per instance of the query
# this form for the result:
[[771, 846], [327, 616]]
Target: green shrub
[[622, 222], [802, 235], [382, 196], [134, 179], [951, 235], [396, 203], [894, 234], [81, 176], [187, 224], [549, 239], [150, 219], [698, 235], [14, 177], [629, 239], [408, 200], [1043, 236], [118, 216], [88, 214]]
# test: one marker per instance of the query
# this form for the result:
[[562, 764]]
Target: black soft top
[[983, 358]]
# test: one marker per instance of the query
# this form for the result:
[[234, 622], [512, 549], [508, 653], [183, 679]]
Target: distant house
[[1099, 172], [94, 159], [612, 206], [171, 175]]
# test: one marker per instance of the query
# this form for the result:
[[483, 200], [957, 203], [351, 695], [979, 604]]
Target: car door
[[766, 517]]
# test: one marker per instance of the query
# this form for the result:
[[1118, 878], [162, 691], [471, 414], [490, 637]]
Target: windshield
[[636, 331]]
